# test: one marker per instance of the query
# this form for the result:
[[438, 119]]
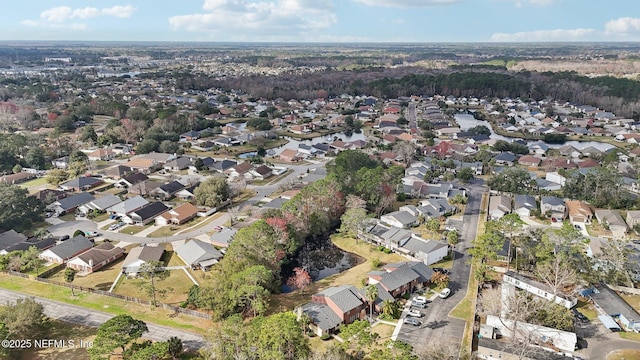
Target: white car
[[420, 299], [414, 313], [444, 293]]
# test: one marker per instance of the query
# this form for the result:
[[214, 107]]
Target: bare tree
[[405, 150], [557, 273]]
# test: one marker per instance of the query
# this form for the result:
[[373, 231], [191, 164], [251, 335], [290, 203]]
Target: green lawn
[[134, 229], [100, 218], [105, 304], [176, 286], [624, 355], [445, 264], [35, 182], [101, 279], [587, 310]]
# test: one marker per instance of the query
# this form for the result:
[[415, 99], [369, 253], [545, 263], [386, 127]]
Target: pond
[[321, 260]]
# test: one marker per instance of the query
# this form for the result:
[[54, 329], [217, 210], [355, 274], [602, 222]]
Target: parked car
[[444, 293], [441, 270], [116, 226], [114, 217], [414, 313], [420, 299], [412, 321], [420, 305], [63, 238], [91, 234], [577, 227], [218, 228], [579, 315]]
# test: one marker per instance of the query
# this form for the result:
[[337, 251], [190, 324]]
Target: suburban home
[[103, 154], [344, 301], [405, 243], [166, 191], [60, 254], [128, 181], [290, 155], [553, 207], [145, 214], [95, 258], [241, 170], [70, 204], [557, 339], [188, 193], [524, 205], [117, 172], [139, 256], [499, 206], [538, 289], [18, 178], [529, 161], [633, 218], [400, 219], [143, 165], [9, 239], [435, 208], [223, 166], [100, 204], [48, 196], [81, 184], [40, 244], [556, 178], [324, 320], [127, 206], [60, 163], [262, 172], [401, 278], [198, 254], [223, 237], [144, 188], [616, 308], [178, 215], [613, 220], [579, 212], [177, 164], [505, 158]]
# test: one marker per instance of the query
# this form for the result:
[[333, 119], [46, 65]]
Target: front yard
[[101, 279], [176, 288], [134, 229]]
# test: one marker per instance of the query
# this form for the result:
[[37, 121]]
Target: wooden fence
[[176, 309]]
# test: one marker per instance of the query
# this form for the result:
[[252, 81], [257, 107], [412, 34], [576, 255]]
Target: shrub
[[387, 251], [375, 263], [325, 337]]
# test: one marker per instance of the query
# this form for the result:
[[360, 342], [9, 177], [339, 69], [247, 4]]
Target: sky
[[322, 20]]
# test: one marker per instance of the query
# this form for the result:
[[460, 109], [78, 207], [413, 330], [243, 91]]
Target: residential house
[[401, 278], [9, 239], [82, 183], [262, 172], [435, 208], [117, 172], [95, 258], [529, 161], [66, 250], [61, 163], [505, 159], [554, 177], [18, 178], [190, 135], [405, 242], [166, 191], [100, 204], [188, 193], [290, 155], [613, 220], [223, 237], [70, 204], [499, 206], [178, 215], [47, 196], [400, 219], [241, 170], [538, 289], [102, 154], [223, 166], [144, 188], [139, 256], [553, 207], [633, 218], [524, 205], [324, 320], [128, 181], [177, 164], [579, 212], [127, 206], [555, 339], [616, 307], [344, 301], [198, 254], [40, 244], [145, 214], [143, 165]]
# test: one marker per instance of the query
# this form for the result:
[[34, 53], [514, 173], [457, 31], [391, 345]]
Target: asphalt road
[[411, 116], [83, 316], [69, 227], [437, 326]]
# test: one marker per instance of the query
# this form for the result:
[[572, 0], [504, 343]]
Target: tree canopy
[[19, 209]]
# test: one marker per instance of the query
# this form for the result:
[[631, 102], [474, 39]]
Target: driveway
[[437, 326], [82, 316], [601, 341]]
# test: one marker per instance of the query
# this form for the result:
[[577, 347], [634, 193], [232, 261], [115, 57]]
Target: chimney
[[91, 263]]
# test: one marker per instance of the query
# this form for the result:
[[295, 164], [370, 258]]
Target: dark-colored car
[[63, 238], [580, 315]]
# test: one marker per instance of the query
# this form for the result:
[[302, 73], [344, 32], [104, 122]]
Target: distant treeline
[[621, 96]]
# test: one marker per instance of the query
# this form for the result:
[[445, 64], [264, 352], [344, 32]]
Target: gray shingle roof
[[194, 252], [398, 278], [72, 247], [75, 200], [344, 296], [321, 315]]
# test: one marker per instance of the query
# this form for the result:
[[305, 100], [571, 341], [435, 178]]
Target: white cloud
[[60, 16], [406, 3], [262, 20], [623, 25], [544, 35], [541, 2]]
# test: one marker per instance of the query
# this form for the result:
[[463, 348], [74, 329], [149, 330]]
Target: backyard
[[353, 276]]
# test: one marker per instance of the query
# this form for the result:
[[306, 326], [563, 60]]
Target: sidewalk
[[147, 231]]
